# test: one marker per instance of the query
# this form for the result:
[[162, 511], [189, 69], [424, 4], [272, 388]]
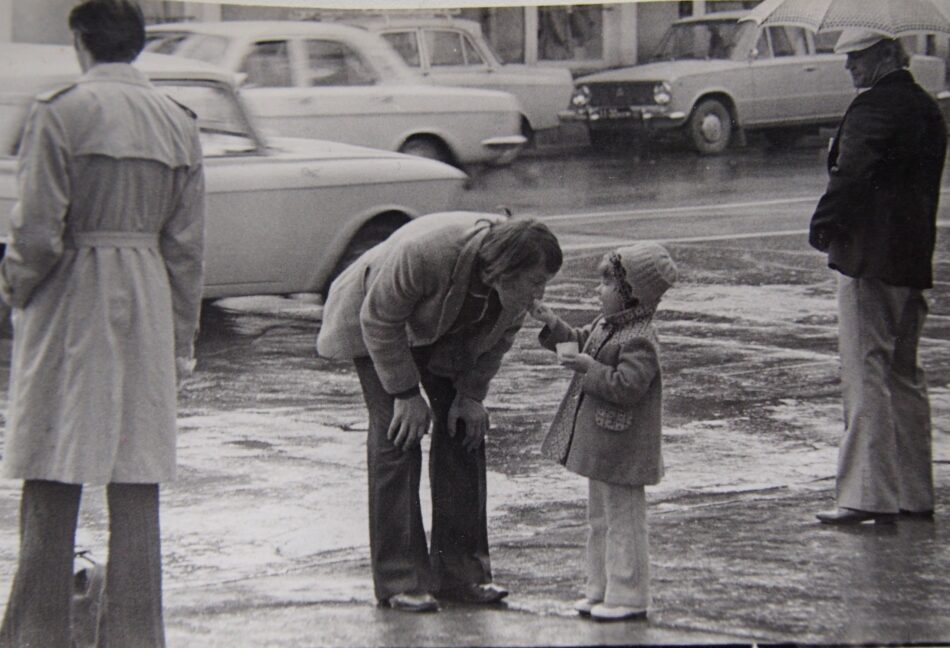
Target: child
[[607, 427]]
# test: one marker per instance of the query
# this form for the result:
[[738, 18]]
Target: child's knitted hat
[[649, 270]]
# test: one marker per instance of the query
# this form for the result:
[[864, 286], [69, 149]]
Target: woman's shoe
[[604, 612], [585, 605]]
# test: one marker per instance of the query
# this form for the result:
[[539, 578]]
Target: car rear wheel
[[426, 147], [710, 127], [369, 235]]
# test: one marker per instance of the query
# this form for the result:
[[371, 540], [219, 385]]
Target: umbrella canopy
[[891, 18]]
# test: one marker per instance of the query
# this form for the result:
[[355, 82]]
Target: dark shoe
[[411, 602], [917, 515], [604, 612], [479, 594], [844, 516]]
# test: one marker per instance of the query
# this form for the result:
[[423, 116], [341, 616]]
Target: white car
[[717, 73], [283, 215], [454, 52], [332, 81]]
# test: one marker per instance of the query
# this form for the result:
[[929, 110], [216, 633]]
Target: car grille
[[621, 95]]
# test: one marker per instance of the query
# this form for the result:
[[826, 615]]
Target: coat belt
[[110, 239]]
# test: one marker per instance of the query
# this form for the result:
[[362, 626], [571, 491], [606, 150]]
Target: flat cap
[[855, 39]]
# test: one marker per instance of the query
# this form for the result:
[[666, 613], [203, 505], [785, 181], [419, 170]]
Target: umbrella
[[891, 18]]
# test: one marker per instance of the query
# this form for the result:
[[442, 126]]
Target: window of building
[[504, 30], [570, 33]]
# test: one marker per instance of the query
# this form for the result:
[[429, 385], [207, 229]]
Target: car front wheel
[[710, 127]]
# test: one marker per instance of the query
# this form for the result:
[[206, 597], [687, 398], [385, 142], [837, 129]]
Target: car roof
[[254, 28], [32, 67], [723, 16], [382, 22]]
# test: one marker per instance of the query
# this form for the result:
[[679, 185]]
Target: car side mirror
[[753, 53]]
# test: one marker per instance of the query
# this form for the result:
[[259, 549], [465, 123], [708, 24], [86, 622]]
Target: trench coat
[[104, 271], [407, 292], [608, 426]]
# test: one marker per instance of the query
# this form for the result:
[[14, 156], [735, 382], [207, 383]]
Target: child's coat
[[608, 426]]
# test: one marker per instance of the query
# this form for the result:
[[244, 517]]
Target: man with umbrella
[[877, 223]]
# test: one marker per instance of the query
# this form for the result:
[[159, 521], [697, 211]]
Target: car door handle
[[810, 68]]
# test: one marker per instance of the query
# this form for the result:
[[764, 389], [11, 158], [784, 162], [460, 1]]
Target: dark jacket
[[877, 218]]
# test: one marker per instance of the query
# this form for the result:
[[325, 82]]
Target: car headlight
[[581, 97], [662, 93]]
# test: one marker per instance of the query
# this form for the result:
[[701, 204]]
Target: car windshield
[[224, 127], [713, 39]]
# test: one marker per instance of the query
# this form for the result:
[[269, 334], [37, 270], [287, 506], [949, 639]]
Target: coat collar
[[462, 273], [637, 314], [121, 72]]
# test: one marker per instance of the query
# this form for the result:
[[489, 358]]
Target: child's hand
[[580, 362], [542, 312]]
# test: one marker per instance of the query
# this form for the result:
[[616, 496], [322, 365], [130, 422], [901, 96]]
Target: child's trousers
[[618, 545]]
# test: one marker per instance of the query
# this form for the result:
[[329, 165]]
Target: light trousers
[[38, 611], [618, 545], [884, 459]]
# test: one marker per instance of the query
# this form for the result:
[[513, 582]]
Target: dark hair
[[112, 30], [513, 246]]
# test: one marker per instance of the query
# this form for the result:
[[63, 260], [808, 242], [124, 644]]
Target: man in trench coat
[[103, 272], [877, 223]]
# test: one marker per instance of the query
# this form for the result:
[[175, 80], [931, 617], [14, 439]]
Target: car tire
[[368, 236], [710, 127], [427, 147]]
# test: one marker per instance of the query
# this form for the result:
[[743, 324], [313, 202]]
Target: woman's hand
[[474, 415], [542, 313], [579, 362]]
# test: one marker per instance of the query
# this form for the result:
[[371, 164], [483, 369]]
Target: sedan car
[[717, 73], [454, 52], [332, 81], [283, 215]]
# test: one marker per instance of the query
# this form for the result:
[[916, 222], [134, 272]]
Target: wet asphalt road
[[264, 533]]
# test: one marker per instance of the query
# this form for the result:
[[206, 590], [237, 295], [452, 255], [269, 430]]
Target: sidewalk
[[264, 533]]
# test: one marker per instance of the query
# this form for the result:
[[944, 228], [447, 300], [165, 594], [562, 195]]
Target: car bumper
[[621, 118], [503, 150]]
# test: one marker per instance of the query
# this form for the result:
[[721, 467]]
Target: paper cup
[[566, 349]]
